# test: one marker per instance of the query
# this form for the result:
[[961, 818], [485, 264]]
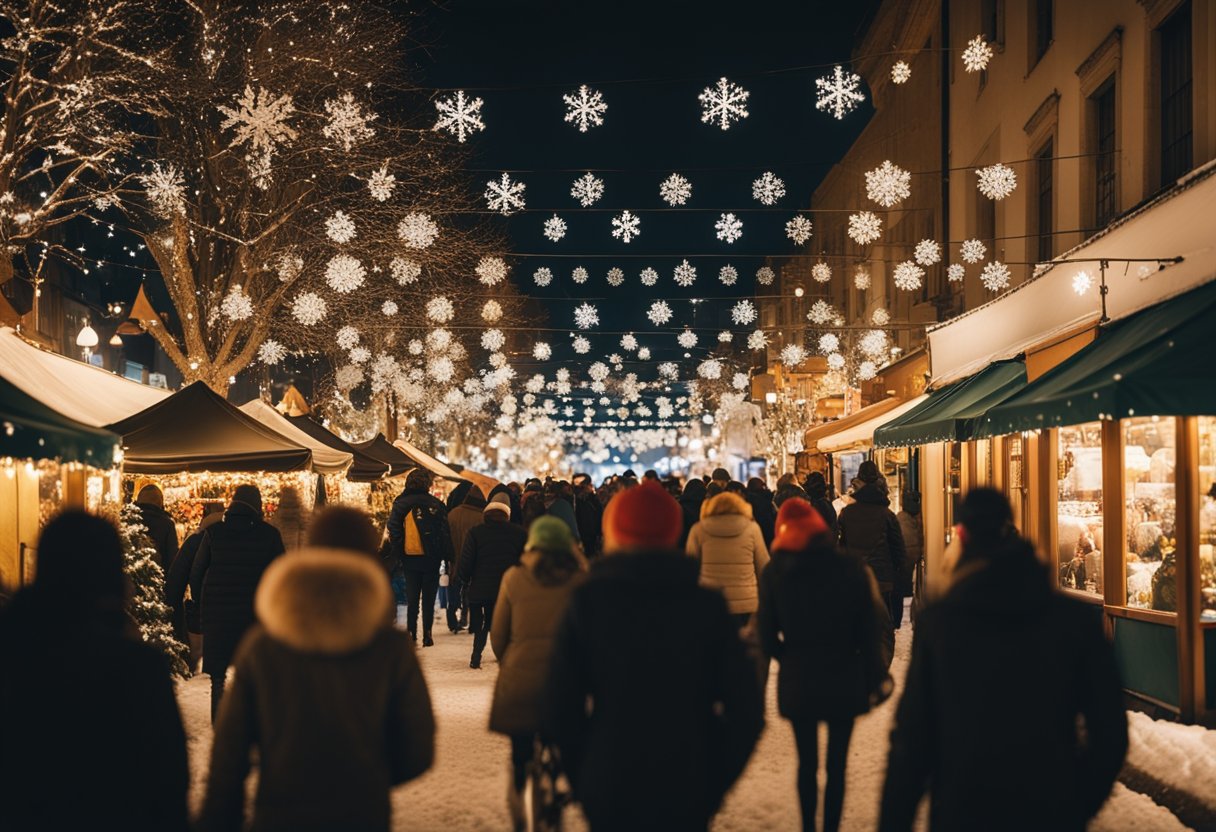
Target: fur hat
[[645, 517], [797, 524], [500, 503], [550, 534]]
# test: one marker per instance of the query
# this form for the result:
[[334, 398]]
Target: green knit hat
[[551, 534]]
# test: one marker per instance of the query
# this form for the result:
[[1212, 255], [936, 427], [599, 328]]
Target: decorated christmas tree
[[146, 605]]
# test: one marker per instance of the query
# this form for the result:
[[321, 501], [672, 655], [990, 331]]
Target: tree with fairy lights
[[146, 605]]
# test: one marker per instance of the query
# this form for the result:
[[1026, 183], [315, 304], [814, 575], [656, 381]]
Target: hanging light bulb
[[87, 337], [115, 341]]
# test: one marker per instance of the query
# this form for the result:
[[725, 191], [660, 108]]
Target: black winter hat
[[868, 471], [248, 494]]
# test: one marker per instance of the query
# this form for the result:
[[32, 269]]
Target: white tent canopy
[[427, 461], [861, 434], [79, 391], [325, 460]]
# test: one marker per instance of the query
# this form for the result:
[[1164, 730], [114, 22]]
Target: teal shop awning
[[953, 413], [31, 430], [1159, 362]]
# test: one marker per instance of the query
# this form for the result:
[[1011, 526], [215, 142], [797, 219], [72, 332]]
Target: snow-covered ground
[[466, 788]]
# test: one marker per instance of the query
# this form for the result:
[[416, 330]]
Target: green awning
[[31, 430], [953, 413], [1158, 362]]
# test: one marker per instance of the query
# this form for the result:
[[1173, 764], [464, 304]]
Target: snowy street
[[466, 788]]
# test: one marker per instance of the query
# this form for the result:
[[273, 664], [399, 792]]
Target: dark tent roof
[[385, 451], [197, 430], [365, 468], [31, 430], [953, 413]]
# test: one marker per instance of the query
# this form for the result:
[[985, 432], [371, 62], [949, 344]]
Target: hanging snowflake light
[[344, 274], [710, 368], [1082, 282], [888, 184], [441, 369], [669, 370], [861, 278], [928, 252], [995, 276], [685, 274], [725, 336], [587, 189], [728, 275], [649, 276], [723, 104], [417, 230], [493, 340], [900, 72], [864, 227], [768, 189], [956, 272], [729, 228], [542, 276], [381, 184], [838, 93], [389, 308], [659, 313], [348, 124], [757, 340], [586, 316], [740, 381], [977, 54], [687, 339], [271, 352], [491, 311], [505, 195], [260, 120], [616, 276], [996, 181], [347, 377], [459, 116], [821, 312], [866, 370], [347, 337], [908, 276], [404, 271], [598, 371], [440, 310], [580, 274], [491, 270], [289, 266], [585, 108], [629, 342], [873, 343], [497, 360], [972, 251], [821, 272], [237, 306], [643, 353], [798, 229], [166, 190], [555, 228], [439, 339], [626, 226], [743, 312], [340, 228], [829, 342], [542, 351], [581, 345], [792, 355], [309, 308], [675, 190], [835, 361], [880, 317], [765, 276]]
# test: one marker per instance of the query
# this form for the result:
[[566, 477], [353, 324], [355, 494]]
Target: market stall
[[325, 458], [841, 468], [425, 460], [381, 449], [364, 467]]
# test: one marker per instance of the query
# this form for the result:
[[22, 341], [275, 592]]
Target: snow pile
[[1176, 760]]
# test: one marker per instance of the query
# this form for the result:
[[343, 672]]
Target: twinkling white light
[[440, 310], [417, 230], [977, 54], [542, 276], [865, 227], [765, 276], [880, 317], [616, 276], [587, 189], [491, 311], [585, 108], [237, 306], [581, 345], [728, 274], [687, 339], [821, 272], [996, 181], [347, 377], [743, 312], [829, 342], [381, 184], [685, 274], [309, 308], [1081, 282], [972, 251], [740, 381], [873, 343], [643, 353], [404, 271], [289, 266], [389, 307], [792, 355], [166, 190], [649, 276], [861, 278], [580, 274], [460, 116], [888, 184], [723, 104], [271, 352], [710, 368], [799, 229], [757, 340], [725, 336], [491, 270], [344, 274], [675, 190], [821, 312], [866, 370], [347, 337], [956, 272], [626, 226], [260, 120], [586, 316], [348, 123], [493, 340], [928, 252], [629, 342], [908, 276], [542, 351], [659, 313], [900, 72], [555, 228], [995, 276], [835, 361], [505, 195], [729, 228], [669, 370], [838, 93], [768, 189], [340, 228]]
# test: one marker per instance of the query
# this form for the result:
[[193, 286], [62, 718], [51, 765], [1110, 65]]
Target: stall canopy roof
[[79, 391], [383, 450], [861, 435], [810, 440], [365, 468], [1156, 363], [31, 430], [953, 413], [325, 460], [196, 430], [425, 460]]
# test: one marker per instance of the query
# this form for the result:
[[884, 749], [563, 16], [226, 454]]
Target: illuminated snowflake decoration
[[996, 181], [725, 336], [792, 355], [864, 227], [581, 345], [585, 108], [799, 229], [977, 54], [271, 352], [757, 340], [821, 272], [956, 272], [505, 195], [835, 361], [344, 274], [927, 252], [972, 251], [675, 190], [441, 369], [389, 308], [381, 184], [829, 342], [900, 72], [555, 228], [995, 276], [743, 312], [861, 278], [493, 340], [838, 93], [347, 377], [586, 316], [440, 310], [728, 275], [260, 120], [491, 270], [873, 343], [888, 184], [309, 308], [542, 351], [348, 124], [580, 274], [649, 276], [491, 312], [629, 342], [768, 189], [542, 276], [765, 276], [669, 370], [710, 368], [404, 271], [821, 312], [237, 306], [908, 276], [626, 226], [598, 371], [340, 228], [685, 274], [587, 189], [659, 313], [687, 339], [1082, 282], [166, 190], [880, 317], [729, 228], [740, 381], [347, 338], [723, 104], [643, 353], [616, 276], [459, 115], [438, 339], [417, 230]]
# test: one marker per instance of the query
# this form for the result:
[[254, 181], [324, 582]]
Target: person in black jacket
[[819, 617], [589, 513], [489, 551], [652, 700], [869, 531], [418, 531], [763, 511], [816, 488], [162, 531], [187, 610], [690, 507], [92, 735], [230, 561], [1012, 714]]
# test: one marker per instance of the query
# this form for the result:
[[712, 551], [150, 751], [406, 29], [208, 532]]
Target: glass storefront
[[1079, 507], [1207, 517], [1151, 506]]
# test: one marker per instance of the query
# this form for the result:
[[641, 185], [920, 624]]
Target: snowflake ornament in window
[[585, 108], [417, 230], [888, 184], [861, 278], [728, 275], [829, 342], [792, 355], [542, 351], [626, 226], [729, 228], [381, 184], [972, 251], [821, 272], [996, 181], [587, 189], [491, 312], [348, 124], [581, 345], [685, 274], [995, 276], [542, 276], [768, 189], [616, 276], [555, 228], [723, 104], [344, 274], [309, 308], [838, 93], [260, 120], [659, 313], [459, 115], [440, 310], [580, 274], [166, 190], [586, 316], [347, 337], [880, 317], [799, 229], [271, 352], [340, 228], [649, 276], [491, 270], [864, 227], [900, 72], [493, 340], [237, 306], [505, 195], [389, 308], [908, 276], [821, 312], [927, 252], [675, 190], [956, 272], [977, 54], [687, 339]]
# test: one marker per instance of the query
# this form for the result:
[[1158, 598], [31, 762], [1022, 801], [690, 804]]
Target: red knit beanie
[[645, 517], [797, 524]]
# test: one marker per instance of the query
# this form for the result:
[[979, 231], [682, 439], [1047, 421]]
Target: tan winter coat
[[730, 546], [526, 616]]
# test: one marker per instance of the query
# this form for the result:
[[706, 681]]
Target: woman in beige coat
[[730, 547], [530, 604]]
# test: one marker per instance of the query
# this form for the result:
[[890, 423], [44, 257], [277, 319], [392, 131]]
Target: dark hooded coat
[[870, 532]]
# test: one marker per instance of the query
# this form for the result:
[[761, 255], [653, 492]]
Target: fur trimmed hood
[[329, 601]]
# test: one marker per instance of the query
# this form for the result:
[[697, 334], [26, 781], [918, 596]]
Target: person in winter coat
[[730, 552], [816, 487], [763, 511], [690, 506], [231, 558], [530, 603], [291, 519], [418, 531], [1012, 714], [489, 550], [588, 512], [330, 695], [162, 531], [914, 546], [559, 502], [188, 610], [643, 652], [92, 736], [869, 531], [461, 519], [819, 618], [532, 503], [787, 487]]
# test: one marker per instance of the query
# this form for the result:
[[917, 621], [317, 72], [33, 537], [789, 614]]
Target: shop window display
[[1079, 507], [1207, 516], [1151, 502]]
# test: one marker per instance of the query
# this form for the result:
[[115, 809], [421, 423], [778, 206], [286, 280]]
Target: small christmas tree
[[146, 605]]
